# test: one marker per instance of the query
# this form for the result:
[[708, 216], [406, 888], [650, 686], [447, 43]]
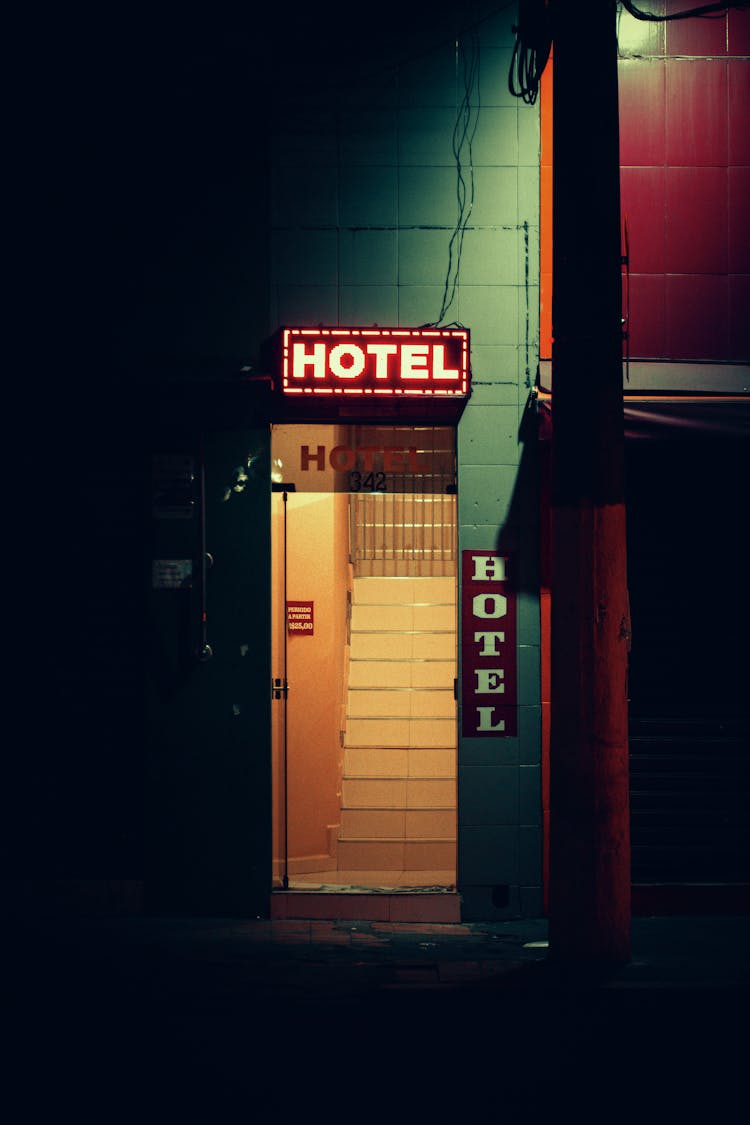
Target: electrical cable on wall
[[687, 13], [463, 138], [531, 50], [534, 36]]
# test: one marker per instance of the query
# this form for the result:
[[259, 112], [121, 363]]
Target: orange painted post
[[589, 890]]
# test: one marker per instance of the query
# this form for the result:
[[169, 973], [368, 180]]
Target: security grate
[[407, 528]]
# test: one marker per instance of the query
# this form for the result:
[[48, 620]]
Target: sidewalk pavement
[[380, 1021]]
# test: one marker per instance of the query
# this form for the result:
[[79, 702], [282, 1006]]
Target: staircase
[[398, 808]]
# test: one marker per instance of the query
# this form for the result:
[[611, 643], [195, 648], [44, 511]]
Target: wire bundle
[[464, 130], [531, 50], [686, 13]]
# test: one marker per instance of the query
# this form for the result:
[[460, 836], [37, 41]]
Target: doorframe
[[442, 906]]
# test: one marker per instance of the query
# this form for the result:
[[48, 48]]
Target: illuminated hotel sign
[[489, 691], [387, 362]]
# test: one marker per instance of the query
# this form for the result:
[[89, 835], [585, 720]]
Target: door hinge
[[279, 688]]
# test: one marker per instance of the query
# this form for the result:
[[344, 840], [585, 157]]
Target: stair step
[[392, 733], [398, 793], [399, 762], [406, 703], [398, 824], [387, 591], [396, 673], [403, 646], [396, 855], [403, 618]]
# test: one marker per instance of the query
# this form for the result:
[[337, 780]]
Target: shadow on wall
[[519, 535]]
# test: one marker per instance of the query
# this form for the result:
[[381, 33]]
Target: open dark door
[[208, 772]]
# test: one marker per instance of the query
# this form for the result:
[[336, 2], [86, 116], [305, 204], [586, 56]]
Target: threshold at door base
[[371, 905]]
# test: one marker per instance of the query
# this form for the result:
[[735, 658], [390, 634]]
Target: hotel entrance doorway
[[364, 657]]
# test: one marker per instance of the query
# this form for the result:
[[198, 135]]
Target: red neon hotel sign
[[432, 362]]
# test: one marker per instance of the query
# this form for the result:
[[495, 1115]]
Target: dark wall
[[73, 776], [140, 231], [689, 711]]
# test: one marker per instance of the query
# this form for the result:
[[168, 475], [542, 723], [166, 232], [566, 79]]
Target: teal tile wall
[[429, 79], [304, 257], [367, 137], [495, 68], [417, 303], [496, 196], [530, 735], [368, 257], [479, 904], [425, 136], [529, 673], [489, 794], [492, 312], [305, 305], [490, 256], [313, 200], [427, 197], [494, 374], [496, 140], [488, 855], [485, 495], [529, 853], [531, 904], [368, 304], [422, 259], [375, 179], [490, 753], [528, 144], [368, 195], [529, 785], [490, 436], [529, 624]]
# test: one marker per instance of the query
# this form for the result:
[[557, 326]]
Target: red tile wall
[[738, 32], [739, 315], [685, 158]]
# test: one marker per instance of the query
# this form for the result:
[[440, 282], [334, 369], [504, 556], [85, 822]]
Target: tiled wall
[[364, 206], [685, 157]]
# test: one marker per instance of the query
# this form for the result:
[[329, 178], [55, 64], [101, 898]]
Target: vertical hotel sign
[[489, 691]]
